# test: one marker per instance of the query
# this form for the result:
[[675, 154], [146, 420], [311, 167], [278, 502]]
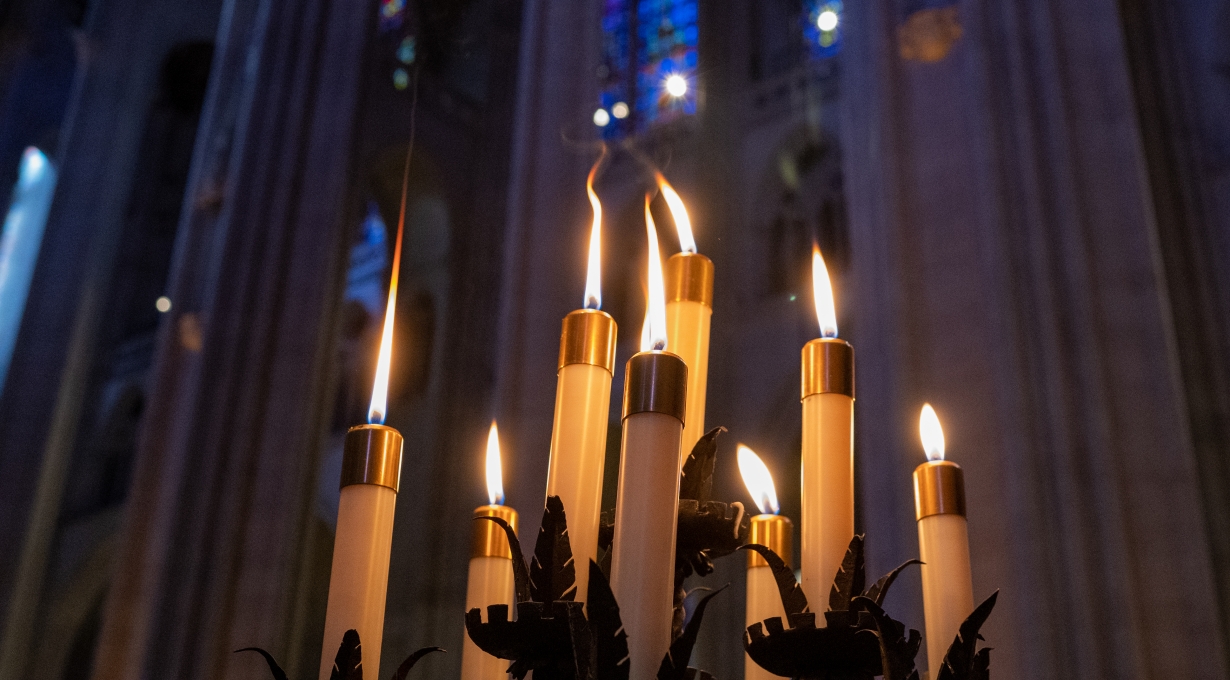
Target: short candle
[[773, 532], [943, 542]]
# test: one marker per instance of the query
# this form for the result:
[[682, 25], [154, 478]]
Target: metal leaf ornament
[[521, 574], [696, 480], [552, 573], [348, 664], [897, 653], [608, 629], [675, 663], [962, 662], [848, 647]]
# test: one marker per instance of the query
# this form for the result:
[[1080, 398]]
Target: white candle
[[358, 582], [775, 533], [943, 542], [828, 447], [491, 573], [689, 307], [582, 411], [647, 506]]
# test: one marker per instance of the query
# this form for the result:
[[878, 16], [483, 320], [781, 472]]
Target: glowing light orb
[[676, 85], [827, 20], [163, 304], [601, 118], [620, 110]]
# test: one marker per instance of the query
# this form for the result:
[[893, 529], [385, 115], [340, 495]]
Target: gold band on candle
[[939, 489], [489, 538], [372, 455], [828, 367], [655, 382], [588, 337], [773, 532], [689, 278]]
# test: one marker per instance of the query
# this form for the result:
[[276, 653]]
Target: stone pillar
[[1007, 270], [211, 558]]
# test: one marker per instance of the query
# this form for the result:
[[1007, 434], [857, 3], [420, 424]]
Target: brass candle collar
[[773, 532], [939, 489], [588, 337], [489, 538], [655, 382], [372, 455], [828, 367], [689, 278]]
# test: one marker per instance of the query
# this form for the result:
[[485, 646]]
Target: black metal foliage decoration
[[552, 637], [675, 663], [849, 646], [348, 664], [962, 662]]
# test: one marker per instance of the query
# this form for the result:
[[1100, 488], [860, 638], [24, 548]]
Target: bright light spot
[[601, 118], [676, 85], [758, 481], [163, 304], [655, 339], [827, 20], [620, 110], [495, 474], [401, 78], [931, 432], [822, 289], [406, 50]]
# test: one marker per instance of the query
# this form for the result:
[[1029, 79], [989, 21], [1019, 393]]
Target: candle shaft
[[359, 579], [643, 564], [647, 507], [689, 309], [943, 546], [828, 490], [948, 590], [578, 436], [360, 576]]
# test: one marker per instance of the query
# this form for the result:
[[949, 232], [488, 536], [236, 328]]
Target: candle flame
[[593, 278], [495, 474], [931, 432], [655, 339], [378, 408], [758, 481], [683, 224], [822, 289]]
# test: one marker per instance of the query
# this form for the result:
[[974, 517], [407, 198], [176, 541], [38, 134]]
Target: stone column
[[1007, 271], [212, 554]]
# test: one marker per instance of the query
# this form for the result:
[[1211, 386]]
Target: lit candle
[[582, 409], [828, 445], [775, 533], [647, 507], [943, 542], [689, 306], [371, 471], [491, 572]]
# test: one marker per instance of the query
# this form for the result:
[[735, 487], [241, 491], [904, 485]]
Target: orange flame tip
[[593, 276], [683, 224], [495, 472], [758, 480], [931, 432]]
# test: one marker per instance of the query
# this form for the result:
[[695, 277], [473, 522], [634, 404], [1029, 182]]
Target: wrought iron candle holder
[[553, 637]]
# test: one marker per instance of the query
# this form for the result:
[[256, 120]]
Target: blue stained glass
[[822, 27], [649, 64]]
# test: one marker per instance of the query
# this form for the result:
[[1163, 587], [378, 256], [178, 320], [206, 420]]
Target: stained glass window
[[648, 73], [822, 27]]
